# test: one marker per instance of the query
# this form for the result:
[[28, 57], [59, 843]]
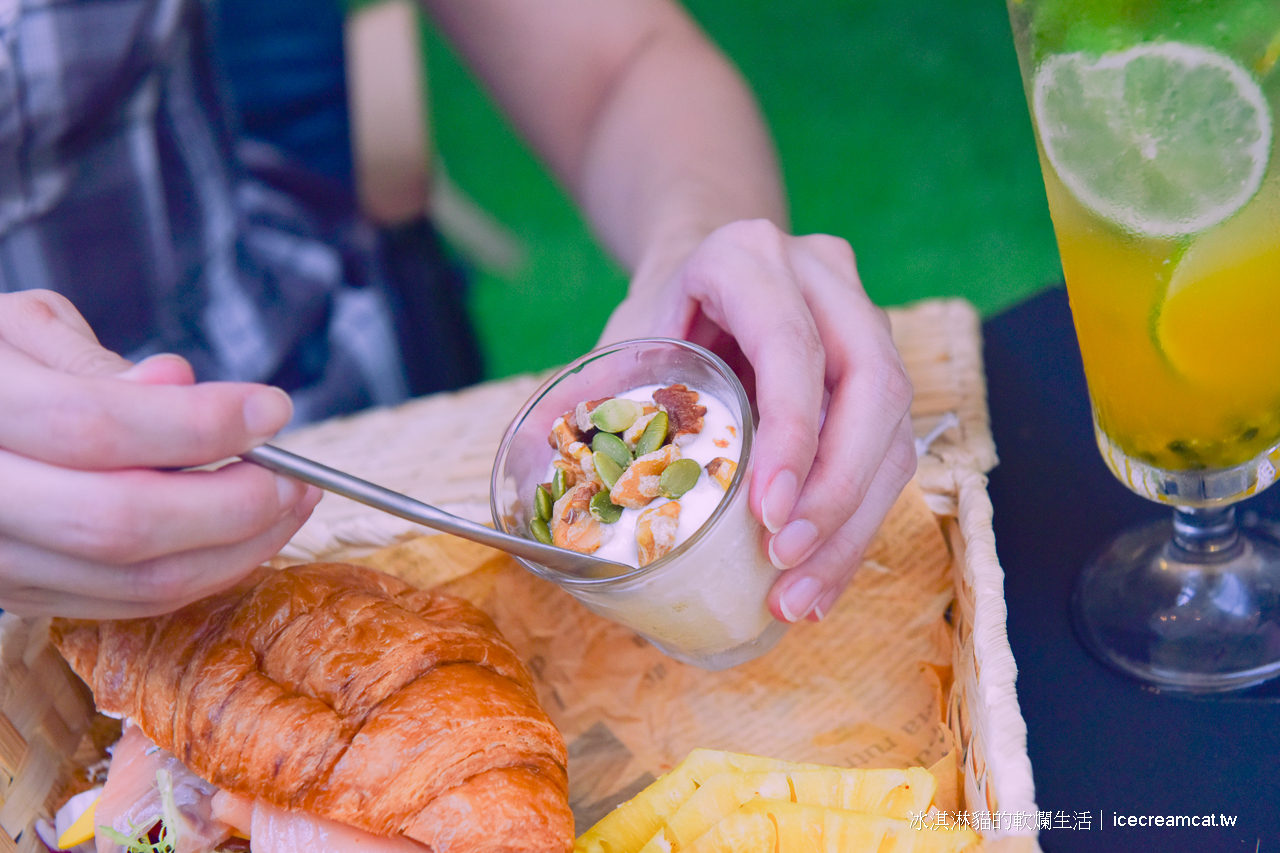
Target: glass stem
[[1206, 534]]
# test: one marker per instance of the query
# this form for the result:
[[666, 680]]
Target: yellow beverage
[[1156, 136], [1180, 338]]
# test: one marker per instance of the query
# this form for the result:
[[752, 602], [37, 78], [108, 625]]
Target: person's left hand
[[834, 446]]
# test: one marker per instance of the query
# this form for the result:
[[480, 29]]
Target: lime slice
[[1216, 323], [1163, 139]]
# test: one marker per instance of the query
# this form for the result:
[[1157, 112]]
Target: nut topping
[[656, 531], [572, 525], [631, 435], [639, 483], [564, 432], [681, 406], [616, 414], [581, 415], [721, 470], [617, 454]]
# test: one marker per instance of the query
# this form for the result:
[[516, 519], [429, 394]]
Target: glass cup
[[1154, 124], [704, 602]]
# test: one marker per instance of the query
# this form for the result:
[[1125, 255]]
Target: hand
[[90, 524], [834, 446]]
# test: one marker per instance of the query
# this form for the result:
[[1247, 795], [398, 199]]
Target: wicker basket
[[440, 450]]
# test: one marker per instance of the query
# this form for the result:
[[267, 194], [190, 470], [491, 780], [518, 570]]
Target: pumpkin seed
[[603, 509], [542, 501], [608, 470], [678, 477], [559, 485], [614, 447], [616, 414], [538, 527], [654, 435]]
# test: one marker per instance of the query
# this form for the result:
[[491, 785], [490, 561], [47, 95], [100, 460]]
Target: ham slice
[[131, 800], [234, 810], [276, 830], [210, 815]]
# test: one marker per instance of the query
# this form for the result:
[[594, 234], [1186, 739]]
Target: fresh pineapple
[[896, 793], [780, 826], [716, 801], [628, 827], [891, 793], [746, 831]]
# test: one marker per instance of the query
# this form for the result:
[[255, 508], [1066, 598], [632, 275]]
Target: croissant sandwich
[[322, 707]]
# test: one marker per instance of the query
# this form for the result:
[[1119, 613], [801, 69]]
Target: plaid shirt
[[120, 188]]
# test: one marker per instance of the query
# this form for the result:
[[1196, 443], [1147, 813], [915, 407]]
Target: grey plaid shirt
[[119, 189]]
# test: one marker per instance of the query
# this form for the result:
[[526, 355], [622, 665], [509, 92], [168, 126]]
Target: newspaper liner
[[912, 666]]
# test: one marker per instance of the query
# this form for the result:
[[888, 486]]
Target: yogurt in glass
[[703, 602]]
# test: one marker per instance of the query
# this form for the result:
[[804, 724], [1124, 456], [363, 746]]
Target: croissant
[[346, 693]]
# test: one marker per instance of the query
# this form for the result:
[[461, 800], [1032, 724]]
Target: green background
[[902, 127]]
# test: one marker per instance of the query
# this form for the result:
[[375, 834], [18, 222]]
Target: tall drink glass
[[1155, 125]]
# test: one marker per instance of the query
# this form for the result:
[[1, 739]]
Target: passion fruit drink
[[1155, 128]]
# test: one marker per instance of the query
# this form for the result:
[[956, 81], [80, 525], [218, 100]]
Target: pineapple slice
[[628, 827], [719, 796], [891, 793], [781, 826], [744, 831], [888, 792]]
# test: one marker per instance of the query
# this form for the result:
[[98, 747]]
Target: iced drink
[[1154, 123]]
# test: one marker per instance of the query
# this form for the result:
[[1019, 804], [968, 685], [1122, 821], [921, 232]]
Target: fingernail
[[792, 543], [824, 605], [799, 598], [779, 500], [266, 411]]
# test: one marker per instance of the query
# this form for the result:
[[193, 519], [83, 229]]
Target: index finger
[[776, 331], [870, 398], [47, 328], [104, 422]]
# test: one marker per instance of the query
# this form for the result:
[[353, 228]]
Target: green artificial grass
[[902, 127]]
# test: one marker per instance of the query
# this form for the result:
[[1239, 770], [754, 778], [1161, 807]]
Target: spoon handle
[[308, 471]]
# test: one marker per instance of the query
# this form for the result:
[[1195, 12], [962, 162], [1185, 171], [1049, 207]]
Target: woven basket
[[440, 450]]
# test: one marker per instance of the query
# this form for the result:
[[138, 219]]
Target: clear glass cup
[[1154, 124], [704, 602]]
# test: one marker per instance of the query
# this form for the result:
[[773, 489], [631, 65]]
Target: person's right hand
[[92, 524]]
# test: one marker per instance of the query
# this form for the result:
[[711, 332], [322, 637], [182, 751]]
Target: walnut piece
[[683, 412]]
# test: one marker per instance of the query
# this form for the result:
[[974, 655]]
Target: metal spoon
[[403, 506]]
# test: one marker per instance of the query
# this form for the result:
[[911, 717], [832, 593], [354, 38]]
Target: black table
[[1103, 747]]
